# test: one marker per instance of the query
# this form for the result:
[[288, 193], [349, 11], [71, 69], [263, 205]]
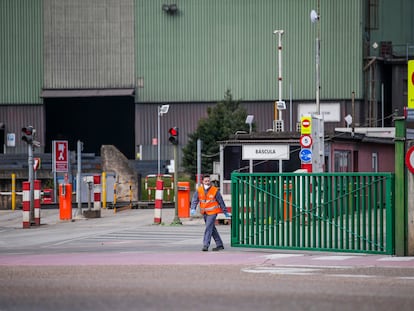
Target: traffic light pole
[[78, 178], [31, 181], [176, 220]]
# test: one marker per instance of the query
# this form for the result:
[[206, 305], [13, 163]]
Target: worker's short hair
[[206, 176]]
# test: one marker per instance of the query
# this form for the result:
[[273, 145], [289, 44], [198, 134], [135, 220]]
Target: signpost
[[306, 141]]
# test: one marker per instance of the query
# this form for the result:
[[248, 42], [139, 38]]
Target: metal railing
[[347, 212]]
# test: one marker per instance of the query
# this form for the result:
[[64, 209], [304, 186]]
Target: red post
[[37, 184], [26, 204], [159, 193]]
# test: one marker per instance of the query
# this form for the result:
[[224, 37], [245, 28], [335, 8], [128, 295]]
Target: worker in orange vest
[[211, 203]]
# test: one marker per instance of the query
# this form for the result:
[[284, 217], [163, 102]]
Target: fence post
[[400, 224]]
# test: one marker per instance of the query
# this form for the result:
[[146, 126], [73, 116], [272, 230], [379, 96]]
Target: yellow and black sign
[[410, 84]]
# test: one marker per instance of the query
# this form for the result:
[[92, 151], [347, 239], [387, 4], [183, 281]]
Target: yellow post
[[13, 193], [104, 189]]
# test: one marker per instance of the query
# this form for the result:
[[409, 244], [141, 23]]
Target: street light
[[318, 152], [249, 121], [161, 111], [278, 106]]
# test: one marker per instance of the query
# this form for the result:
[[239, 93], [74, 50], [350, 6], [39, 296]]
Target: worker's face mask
[[206, 183]]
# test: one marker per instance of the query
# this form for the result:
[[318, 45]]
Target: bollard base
[[92, 214]]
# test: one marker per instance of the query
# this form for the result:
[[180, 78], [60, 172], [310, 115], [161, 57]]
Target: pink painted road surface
[[226, 257]]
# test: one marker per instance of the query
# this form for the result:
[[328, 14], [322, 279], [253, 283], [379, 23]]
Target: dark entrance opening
[[1, 137], [95, 121]]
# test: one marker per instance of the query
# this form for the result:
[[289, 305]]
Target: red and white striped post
[[97, 192], [36, 203], [159, 194], [26, 204]]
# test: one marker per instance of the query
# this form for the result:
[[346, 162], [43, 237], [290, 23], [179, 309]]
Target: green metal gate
[[347, 212]]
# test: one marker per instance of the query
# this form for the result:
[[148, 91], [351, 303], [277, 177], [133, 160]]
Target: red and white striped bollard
[[159, 194], [26, 204], [36, 203], [97, 192]]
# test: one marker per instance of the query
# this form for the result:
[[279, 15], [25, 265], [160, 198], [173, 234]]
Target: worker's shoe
[[218, 248], [205, 248]]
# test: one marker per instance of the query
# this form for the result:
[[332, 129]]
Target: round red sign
[[305, 141], [409, 159]]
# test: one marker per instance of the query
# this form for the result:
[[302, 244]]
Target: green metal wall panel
[[393, 21], [21, 59], [209, 46]]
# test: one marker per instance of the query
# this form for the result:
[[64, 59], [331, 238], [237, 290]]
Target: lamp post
[[318, 153], [161, 111], [279, 105]]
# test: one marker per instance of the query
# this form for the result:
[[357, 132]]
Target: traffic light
[[173, 135], [28, 133]]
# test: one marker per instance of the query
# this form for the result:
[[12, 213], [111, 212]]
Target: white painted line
[[406, 278], [316, 266], [396, 259], [333, 257], [362, 276], [280, 256], [276, 270]]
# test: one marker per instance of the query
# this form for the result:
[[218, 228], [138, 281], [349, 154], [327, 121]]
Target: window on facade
[[342, 161], [373, 14]]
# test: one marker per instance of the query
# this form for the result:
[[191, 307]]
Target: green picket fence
[[347, 212]]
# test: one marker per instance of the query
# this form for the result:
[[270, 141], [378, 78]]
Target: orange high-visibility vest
[[208, 202]]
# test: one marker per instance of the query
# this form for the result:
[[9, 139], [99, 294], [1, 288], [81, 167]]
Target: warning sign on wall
[[410, 84]]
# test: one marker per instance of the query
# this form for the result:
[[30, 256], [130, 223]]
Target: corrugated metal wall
[[89, 44], [209, 46], [186, 116], [15, 117], [21, 51]]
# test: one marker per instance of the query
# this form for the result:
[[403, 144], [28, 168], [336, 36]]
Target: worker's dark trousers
[[211, 231]]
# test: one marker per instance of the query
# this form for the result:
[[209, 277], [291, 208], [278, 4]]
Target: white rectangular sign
[[11, 140], [265, 152], [331, 112]]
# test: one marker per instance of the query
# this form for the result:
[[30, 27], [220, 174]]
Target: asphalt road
[[124, 262]]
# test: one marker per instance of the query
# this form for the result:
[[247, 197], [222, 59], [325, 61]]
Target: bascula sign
[[265, 152]]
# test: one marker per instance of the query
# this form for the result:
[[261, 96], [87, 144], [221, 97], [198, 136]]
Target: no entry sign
[[305, 125], [409, 159]]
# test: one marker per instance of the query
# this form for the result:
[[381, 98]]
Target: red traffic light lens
[[27, 130], [173, 131]]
